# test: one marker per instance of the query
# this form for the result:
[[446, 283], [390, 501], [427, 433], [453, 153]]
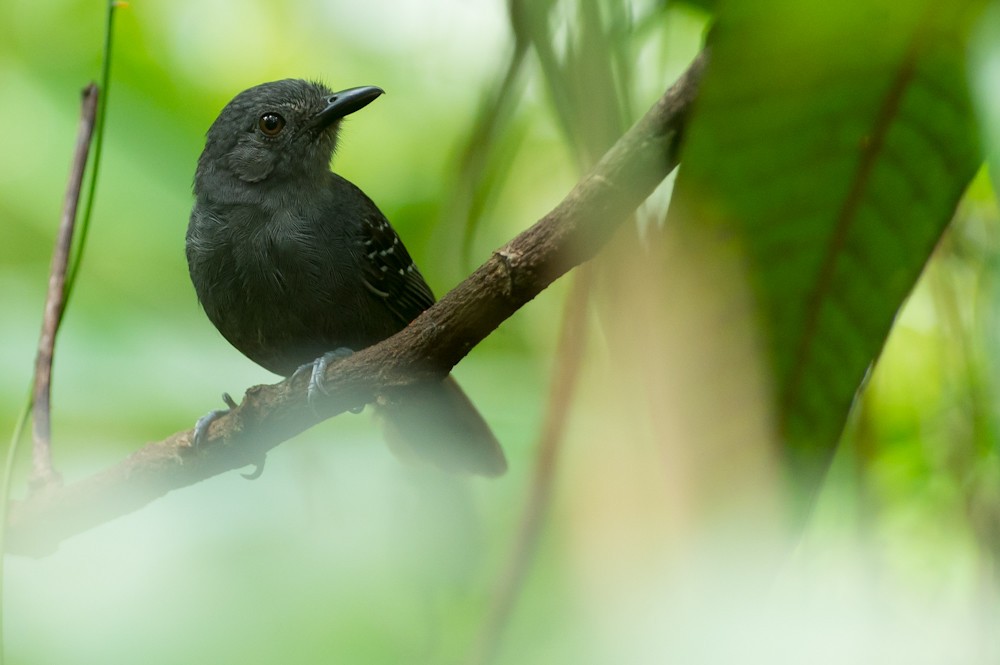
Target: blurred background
[[340, 553]]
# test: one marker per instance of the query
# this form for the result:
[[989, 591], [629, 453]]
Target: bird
[[295, 265]]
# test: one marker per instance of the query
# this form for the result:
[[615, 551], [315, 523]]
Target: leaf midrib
[[846, 217]]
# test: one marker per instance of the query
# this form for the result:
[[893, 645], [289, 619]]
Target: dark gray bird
[[291, 261]]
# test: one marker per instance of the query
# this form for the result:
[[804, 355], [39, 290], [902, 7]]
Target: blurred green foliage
[[836, 175], [665, 541]]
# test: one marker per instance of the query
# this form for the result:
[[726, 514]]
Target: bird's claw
[[200, 434], [258, 469], [317, 374]]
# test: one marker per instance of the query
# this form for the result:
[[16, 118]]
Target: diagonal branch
[[572, 233]]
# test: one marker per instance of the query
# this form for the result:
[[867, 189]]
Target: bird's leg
[[201, 427], [317, 372]]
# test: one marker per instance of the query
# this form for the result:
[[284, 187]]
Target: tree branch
[[572, 233]]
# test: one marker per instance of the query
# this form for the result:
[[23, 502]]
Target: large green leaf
[[830, 144]]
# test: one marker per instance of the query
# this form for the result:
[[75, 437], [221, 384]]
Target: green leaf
[[830, 145]]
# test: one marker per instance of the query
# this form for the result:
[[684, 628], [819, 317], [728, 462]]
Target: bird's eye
[[271, 124]]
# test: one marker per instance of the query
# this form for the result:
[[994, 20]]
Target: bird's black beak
[[345, 102]]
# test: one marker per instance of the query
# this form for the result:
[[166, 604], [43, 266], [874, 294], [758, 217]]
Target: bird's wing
[[389, 272]]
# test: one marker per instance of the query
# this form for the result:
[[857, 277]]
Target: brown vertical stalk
[[43, 474], [565, 374]]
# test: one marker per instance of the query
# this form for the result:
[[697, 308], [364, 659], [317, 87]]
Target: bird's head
[[277, 131]]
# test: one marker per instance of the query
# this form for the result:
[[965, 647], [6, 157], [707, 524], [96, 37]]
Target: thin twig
[[565, 379], [43, 474], [571, 234]]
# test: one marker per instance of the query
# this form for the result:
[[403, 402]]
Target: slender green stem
[[102, 105], [8, 471]]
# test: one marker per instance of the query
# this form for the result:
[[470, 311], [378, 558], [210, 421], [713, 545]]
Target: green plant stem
[[102, 104], [8, 471]]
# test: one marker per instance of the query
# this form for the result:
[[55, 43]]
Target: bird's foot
[[317, 372], [201, 427]]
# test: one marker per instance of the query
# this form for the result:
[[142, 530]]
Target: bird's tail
[[437, 423]]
